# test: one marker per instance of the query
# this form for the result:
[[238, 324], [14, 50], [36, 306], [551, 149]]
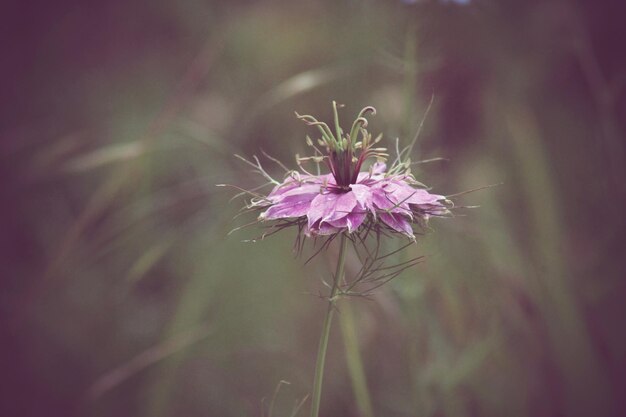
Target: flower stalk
[[323, 345]]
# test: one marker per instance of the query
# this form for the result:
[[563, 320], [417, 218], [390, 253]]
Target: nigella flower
[[348, 198], [358, 197], [369, 198]]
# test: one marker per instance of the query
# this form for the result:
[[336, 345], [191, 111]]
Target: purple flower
[[354, 200], [348, 199], [373, 198]]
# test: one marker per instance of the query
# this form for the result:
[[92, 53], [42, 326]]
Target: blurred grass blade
[[302, 83], [585, 384], [118, 152], [115, 377], [149, 259], [355, 360]]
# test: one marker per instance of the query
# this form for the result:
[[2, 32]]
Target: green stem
[[321, 352], [355, 362]]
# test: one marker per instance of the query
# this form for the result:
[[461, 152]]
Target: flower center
[[344, 153]]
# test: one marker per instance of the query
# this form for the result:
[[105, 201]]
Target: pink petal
[[387, 201], [320, 207], [363, 195], [287, 210], [344, 204], [397, 222], [330, 206], [326, 229], [381, 200], [352, 221]]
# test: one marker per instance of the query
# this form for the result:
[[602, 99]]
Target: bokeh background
[[122, 293]]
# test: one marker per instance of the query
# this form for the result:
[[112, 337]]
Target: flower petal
[[297, 208], [330, 206], [363, 195], [344, 204], [393, 198], [352, 221], [398, 222], [320, 207]]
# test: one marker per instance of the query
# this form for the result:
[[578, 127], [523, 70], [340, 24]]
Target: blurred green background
[[123, 295]]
